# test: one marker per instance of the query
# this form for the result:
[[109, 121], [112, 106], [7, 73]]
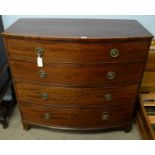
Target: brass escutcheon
[[43, 74], [114, 53], [105, 116], [47, 116], [108, 97], [44, 96], [111, 75], [40, 51]]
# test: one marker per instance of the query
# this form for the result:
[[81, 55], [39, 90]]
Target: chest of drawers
[[90, 76]]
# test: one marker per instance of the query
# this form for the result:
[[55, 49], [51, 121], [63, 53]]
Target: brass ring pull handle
[[44, 96], [114, 53], [108, 97], [111, 75], [47, 116], [40, 51], [43, 74], [105, 116]]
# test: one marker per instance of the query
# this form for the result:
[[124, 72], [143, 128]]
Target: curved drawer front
[[111, 74], [83, 97], [76, 117], [78, 52]]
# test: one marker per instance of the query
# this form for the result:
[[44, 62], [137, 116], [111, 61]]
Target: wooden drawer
[[78, 75], [76, 117], [77, 52], [69, 96]]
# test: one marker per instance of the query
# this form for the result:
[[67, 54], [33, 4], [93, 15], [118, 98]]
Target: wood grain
[[74, 29], [75, 117], [78, 75], [78, 52], [82, 97]]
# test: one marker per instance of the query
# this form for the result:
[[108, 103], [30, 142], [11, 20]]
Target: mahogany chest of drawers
[[90, 75]]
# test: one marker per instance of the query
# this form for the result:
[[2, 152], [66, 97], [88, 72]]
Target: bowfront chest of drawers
[[90, 75]]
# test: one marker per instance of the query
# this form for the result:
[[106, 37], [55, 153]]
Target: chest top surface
[[77, 29]]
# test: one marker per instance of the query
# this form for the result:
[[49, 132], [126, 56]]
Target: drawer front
[[68, 96], [76, 117], [78, 75], [78, 52]]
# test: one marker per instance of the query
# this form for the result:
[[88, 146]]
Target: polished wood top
[[78, 29]]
